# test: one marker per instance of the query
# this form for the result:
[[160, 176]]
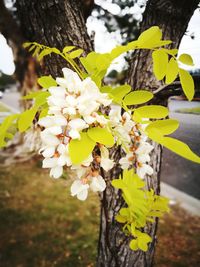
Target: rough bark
[[173, 17], [55, 23]]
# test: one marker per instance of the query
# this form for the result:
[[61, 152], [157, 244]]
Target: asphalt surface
[[177, 171]]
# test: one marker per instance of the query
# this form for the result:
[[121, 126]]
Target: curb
[[187, 202]]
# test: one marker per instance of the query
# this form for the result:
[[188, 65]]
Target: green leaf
[[106, 89], [160, 61], [79, 150], [138, 97], [76, 53], [32, 95], [46, 81], [119, 92], [41, 99], [143, 240], [150, 36], [102, 136], [68, 48], [187, 83], [172, 71], [118, 50], [44, 52], [44, 112], [26, 119], [179, 148], [120, 218], [89, 62], [134, 244], [151, 112], [6, 124], [186, 59], [118, 183], [27, 44], [171, 52], [165, 127]]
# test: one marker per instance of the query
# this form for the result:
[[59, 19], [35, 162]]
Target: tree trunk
[[172, 17], [56, 24]]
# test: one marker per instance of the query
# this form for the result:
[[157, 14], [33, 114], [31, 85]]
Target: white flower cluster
[[133, 140], [74, 106]]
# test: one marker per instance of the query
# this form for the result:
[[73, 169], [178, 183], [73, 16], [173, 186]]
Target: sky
[[105, 41]]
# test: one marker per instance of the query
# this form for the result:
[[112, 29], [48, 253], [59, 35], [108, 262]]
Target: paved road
[[176, 171]]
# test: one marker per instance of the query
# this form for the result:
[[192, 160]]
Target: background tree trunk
[[172, 16]]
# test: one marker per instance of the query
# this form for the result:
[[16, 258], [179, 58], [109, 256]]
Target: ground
[[41, 225]]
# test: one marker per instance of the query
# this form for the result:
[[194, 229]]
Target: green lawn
[[41, 225], [189, 110]]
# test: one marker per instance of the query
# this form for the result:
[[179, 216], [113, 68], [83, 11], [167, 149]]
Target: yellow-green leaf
[[160, 61], [151, 112], [134, 244], [32, 95], [143, 240], [165, 127], [186, 59], [138, 97], [171, 52], [68, 48], [79, 150], [76, 53], [46, 81], [119, 92], [41, 99], [44, 53], [150, 36], [180, 148], [187, 83], [26, 119], [172, 71], [101, 135]]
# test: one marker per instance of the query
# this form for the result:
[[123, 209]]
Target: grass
[[189, 110], [3, 108], [41, 225]]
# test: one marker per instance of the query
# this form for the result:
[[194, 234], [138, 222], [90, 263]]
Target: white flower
[[79, 189], [143, 158], [144, 148], [125, 162], [56, 171], [57, 92], [71, 81], [98, 184], [115, 115], [143, 170], [49, 139], [64, 158], [106, 163], [76, 126], [48, 151], [80, 171]]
